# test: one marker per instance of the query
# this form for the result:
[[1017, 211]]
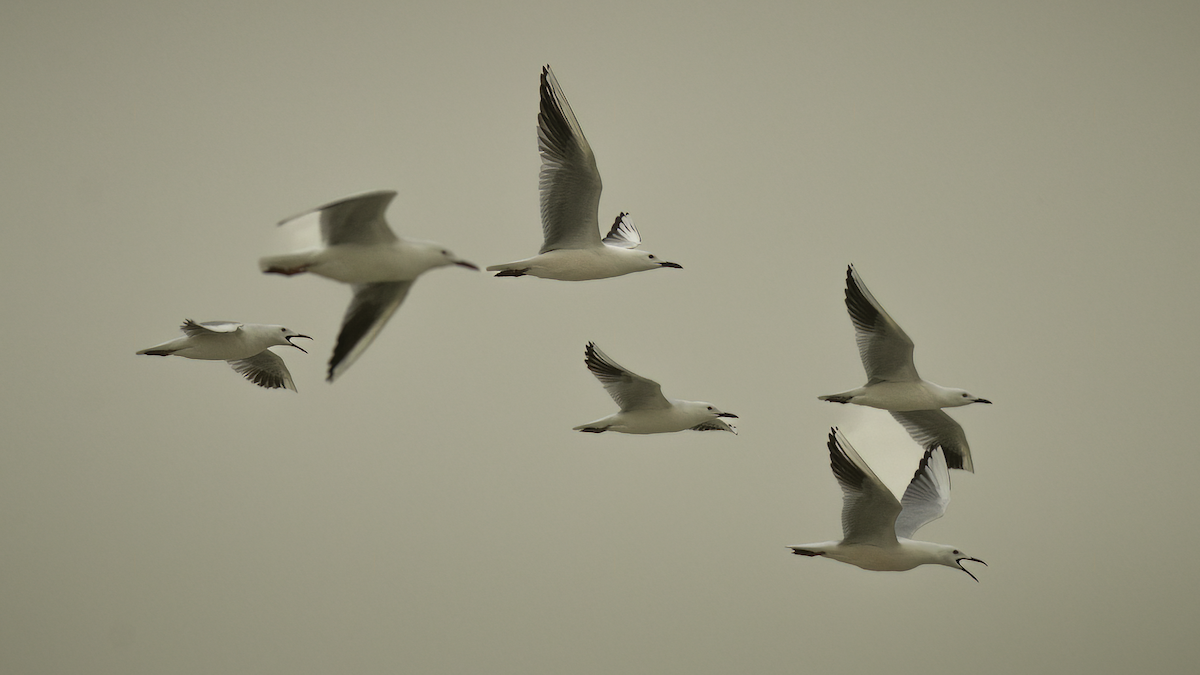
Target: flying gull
[[644, 409], [569, 185], [877, 530], [893, 383], [243, 345], [360, 249]]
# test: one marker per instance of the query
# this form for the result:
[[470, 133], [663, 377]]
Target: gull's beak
[[289, 339], [670, 264], [982, 400], [727, 415], [464, 263], [959, 561]]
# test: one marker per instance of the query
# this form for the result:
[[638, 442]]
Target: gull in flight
[[243, 345], [644, 409], [360, 249], [877, 530], [569, 185], [893, 383]]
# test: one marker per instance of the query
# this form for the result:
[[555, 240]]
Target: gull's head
[[952, 557], [283, 336], [445, 257], [963, 397], [645, 260], [710, 411]]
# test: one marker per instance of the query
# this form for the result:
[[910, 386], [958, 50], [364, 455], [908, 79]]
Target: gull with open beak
[[877, 530]]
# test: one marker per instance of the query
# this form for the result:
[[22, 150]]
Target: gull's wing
[[569, 183], [630, 391], [927, 495], [354, 220], [931, 428], [716, 425], [372, 306], [885, 349], [869, 508], [192, 329], [265, 369], [623, 233]]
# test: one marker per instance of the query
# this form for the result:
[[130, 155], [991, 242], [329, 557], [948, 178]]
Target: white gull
[[877, 530], [569, 185], [644, 409], [893, 383], [243, 345], [360, 249]]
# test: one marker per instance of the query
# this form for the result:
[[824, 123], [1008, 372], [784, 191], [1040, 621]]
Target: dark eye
[[957, 552], [282, 330], [965, 395], [652, 256]]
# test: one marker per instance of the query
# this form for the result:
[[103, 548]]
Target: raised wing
[[927, 495], [569, 183], [630, 391], [192, 329], [885, 349], [354, 220], [869, 508], [623, 233], [369, 311], [930, 428], [266, 369]]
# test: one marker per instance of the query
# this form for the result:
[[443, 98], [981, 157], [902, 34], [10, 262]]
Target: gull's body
[[877, 530], [361, 249], [644, 409], [243, 345], [569, 185], [893, 383]]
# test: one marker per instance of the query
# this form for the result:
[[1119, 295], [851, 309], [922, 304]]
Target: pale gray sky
[[1017, 183]]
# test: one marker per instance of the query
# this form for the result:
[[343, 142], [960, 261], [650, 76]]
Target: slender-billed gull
[[243, 345], [877, 530], [569, 185], [644, 409], [893, 383], [360, 249]]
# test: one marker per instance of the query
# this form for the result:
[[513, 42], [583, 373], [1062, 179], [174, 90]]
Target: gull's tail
[[512, 269]]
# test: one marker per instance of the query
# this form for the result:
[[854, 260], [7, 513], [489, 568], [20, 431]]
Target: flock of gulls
[[359, 248]]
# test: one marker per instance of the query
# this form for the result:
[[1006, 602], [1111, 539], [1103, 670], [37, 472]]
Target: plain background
[[1016, 182]]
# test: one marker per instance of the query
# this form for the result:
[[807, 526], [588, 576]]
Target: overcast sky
[[1016, 182]]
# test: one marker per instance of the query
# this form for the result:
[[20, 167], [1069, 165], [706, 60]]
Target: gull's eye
[[652, 256], [282, 330], [957, 552], [966, 395]]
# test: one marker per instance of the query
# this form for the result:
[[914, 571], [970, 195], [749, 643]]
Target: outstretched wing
[[869, 508], [192, 329], [885, 349], [369, 311], [569, 183], [629, 390], [927, 495], [354, 220], [716, 425], [935, 428], [623, 233], [266, 369]]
